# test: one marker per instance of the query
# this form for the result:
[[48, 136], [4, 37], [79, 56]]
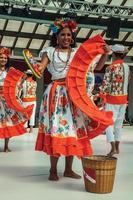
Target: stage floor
[[24, 172]]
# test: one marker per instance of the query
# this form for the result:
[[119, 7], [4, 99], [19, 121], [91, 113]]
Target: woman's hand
[[107, 49], [43, 64], [40, 68]]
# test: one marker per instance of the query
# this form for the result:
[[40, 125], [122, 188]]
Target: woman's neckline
[[56, 49], [2, 69]]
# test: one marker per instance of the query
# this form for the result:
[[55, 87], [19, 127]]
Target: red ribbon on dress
[[52, 95]]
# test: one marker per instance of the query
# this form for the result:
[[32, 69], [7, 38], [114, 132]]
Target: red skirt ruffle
[[67, 146], [13, 114], [10, 131]]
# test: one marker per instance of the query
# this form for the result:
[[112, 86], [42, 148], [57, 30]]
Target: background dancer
[[114, 92], [29, 96], [11, 122]]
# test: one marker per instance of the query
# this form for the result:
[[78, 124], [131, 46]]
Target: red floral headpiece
[[5, 50], [62, 23]]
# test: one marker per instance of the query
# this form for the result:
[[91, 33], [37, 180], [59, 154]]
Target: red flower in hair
[[5, 51], [73, 25], [62, 23]]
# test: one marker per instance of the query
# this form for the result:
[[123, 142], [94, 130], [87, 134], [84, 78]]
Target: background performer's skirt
[[11, 122]]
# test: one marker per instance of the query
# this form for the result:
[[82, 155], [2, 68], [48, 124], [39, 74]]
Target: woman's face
[[3, 60], [64, 38]]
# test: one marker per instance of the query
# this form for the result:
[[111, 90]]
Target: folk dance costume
[[29, 96], [90, 77], [64, 129], [114, 92], [11, 120]]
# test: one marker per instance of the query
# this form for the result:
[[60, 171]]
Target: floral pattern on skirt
[[11, 122], [63, 128]]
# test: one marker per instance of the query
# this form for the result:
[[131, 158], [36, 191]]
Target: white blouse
[[57, 68], [2, 77]]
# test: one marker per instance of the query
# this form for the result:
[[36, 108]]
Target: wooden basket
[[99, 173]]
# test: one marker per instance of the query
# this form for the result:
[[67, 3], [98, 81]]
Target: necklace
[[65, 62], [68, 56]]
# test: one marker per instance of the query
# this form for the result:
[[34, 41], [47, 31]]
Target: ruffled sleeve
[[49, 51]]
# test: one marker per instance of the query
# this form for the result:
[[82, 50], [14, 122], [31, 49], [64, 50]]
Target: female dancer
[[62, 126], [11, 122]]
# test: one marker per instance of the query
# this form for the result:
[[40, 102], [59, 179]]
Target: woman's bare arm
[[103, 58], [44, 62], [101, 62]]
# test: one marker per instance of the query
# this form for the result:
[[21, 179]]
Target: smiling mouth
[[66, 42]]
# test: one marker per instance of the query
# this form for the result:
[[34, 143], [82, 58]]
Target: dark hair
[[7, 66], [53, 41], [29, 75], [119, 55], [32, 75]]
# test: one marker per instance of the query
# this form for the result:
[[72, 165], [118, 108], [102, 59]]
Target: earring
[[72, 41]]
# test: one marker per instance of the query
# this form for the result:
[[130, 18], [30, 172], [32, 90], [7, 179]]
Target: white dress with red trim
[[65, 127], [12, 115]]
